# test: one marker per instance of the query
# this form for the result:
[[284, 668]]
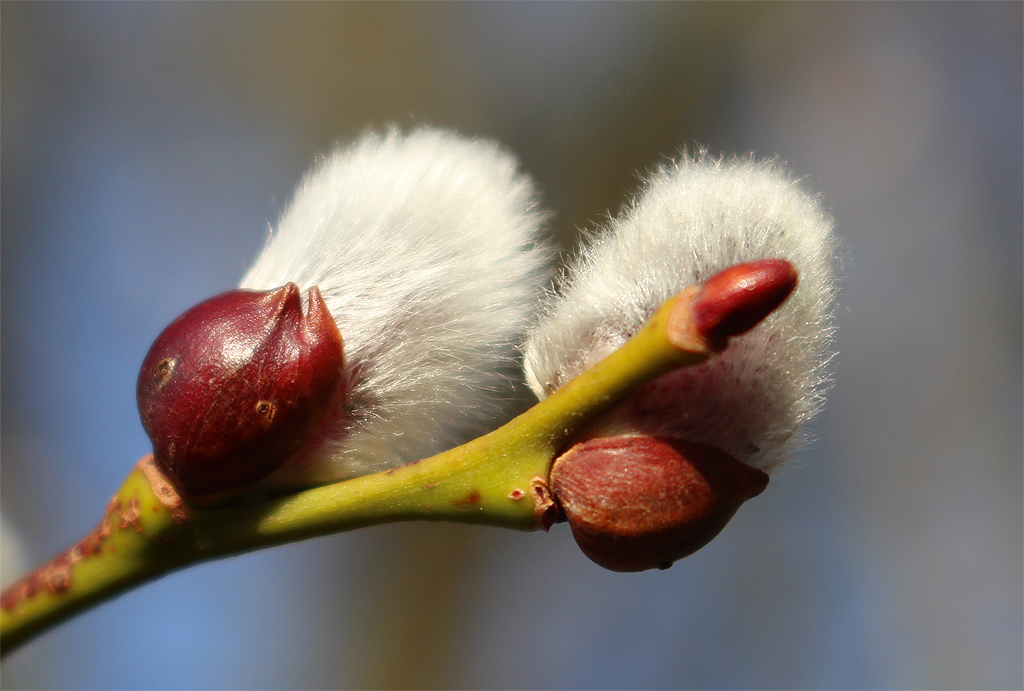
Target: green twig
[[499, 479]]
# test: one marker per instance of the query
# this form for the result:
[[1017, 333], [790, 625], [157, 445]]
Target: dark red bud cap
[[737, 299], [236, 385], [638, 503]]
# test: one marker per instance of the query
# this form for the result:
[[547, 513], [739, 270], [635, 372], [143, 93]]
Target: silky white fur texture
[[425, 247], [694, 218]]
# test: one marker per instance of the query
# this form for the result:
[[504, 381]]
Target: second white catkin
[[426, 249], [694, 218]]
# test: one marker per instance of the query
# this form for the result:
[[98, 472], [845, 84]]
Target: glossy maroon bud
[[636, 503], [236, 385], [735, 300]]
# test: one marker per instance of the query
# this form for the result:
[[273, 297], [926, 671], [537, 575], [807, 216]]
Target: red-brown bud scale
[[736, 299], [236, 385], [637, 502]]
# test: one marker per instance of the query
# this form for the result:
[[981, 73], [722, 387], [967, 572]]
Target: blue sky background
[[146, 148]]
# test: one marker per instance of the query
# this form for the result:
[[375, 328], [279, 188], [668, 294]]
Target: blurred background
[[147, 148]]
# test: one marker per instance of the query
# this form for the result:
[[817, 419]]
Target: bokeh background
[[146, 148]]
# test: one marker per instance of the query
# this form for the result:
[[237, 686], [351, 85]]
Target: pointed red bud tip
[[638, 503], [737, 299], [236, 385]]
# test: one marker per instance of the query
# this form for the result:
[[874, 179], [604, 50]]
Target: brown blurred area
[[146, 148]]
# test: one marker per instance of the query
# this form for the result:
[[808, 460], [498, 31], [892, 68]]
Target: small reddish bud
[[636, 503], [737, 299], [236, 385]]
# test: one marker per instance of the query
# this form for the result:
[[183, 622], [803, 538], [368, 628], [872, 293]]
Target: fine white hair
[[693, 218], [425, 247]]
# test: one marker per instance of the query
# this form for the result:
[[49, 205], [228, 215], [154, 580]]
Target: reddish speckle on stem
[[516, 494], [470, 499], [55, 576], [735, 300], [130, 516]]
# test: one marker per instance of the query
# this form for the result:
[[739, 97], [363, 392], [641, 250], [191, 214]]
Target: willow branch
[[499, 479]]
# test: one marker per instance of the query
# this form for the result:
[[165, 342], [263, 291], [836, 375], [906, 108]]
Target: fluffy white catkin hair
[[425, 248], [693, 219]]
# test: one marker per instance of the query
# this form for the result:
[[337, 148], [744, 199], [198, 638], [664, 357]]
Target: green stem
[[498, 479]]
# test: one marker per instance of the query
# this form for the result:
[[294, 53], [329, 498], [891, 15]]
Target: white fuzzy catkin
[[694, 218], [425, 247]]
